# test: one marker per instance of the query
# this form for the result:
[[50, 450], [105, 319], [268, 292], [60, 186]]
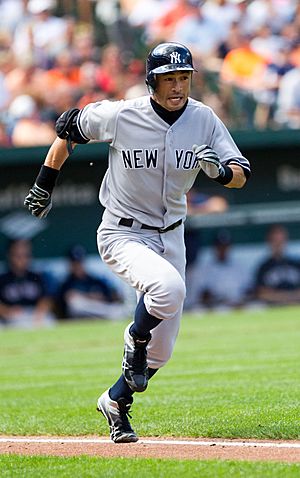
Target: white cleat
[[117, 413]]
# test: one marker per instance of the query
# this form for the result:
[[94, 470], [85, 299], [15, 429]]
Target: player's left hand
[[209, 160]]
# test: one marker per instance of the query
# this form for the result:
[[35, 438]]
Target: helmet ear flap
[[151, 82]]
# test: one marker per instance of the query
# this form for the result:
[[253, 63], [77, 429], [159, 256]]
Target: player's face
[[172, 89]]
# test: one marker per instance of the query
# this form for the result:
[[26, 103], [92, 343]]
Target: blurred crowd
[[223, 282], [30, 296], [57, 54]]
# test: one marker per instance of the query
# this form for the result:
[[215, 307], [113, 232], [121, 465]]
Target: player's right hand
[[38, 201]]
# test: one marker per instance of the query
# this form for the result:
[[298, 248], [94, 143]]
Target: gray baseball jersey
[[151, 164]]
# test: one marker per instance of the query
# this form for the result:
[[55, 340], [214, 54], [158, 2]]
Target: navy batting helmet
[[167, 57]]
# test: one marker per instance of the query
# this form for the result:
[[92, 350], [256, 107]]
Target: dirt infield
[[179, 448]]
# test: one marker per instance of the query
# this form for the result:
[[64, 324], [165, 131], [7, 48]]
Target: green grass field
[[234, 375], [90, 467]]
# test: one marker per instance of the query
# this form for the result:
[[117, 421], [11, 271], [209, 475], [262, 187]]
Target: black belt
[[129, 222]]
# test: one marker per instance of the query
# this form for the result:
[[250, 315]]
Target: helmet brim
[[172, 67]]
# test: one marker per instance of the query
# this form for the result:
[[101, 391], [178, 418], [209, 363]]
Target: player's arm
[[238, 176], [39, 201], [230, 175], [57, 154]]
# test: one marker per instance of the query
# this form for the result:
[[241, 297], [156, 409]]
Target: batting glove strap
[[38, 201], [225, 176]]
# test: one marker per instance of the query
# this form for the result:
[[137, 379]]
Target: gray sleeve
[[97, 121]]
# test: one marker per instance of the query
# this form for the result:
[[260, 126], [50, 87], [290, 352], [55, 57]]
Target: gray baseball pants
[[153, 264]]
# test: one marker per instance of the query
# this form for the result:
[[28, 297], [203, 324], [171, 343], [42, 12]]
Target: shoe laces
[[124, 408]]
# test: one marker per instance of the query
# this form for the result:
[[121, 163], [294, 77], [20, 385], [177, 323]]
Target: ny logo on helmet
[[175, 57]]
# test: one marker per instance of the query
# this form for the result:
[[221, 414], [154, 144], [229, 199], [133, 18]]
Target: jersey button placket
[[167, 162]]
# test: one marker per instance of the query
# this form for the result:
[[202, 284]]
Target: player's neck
[[168, 116]]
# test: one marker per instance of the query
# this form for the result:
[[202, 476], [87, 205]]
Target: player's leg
[[138, 260], [141, 263], [162, 295], [164, 335], [115, 405]]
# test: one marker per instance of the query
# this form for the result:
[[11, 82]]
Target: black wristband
[[226, 177], [46, 178]]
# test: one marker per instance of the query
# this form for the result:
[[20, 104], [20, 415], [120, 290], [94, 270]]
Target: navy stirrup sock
[[143, 321], [121, 389]]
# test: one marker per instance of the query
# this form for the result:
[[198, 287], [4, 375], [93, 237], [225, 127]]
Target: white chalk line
[[100, 441]]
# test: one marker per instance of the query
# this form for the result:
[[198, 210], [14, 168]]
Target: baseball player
[[158, 144]]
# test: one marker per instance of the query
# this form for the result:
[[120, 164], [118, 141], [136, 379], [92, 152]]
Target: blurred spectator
[[197, 204], [242, 72], [225, 12], [233, 40], [221, 282], [295, 53], [111, 76], [246, 26], [82, 295], [243, 67], [140, 89], [64, 71], [108, 12], [266, 43], [287, 114], [275, 13], [41, 34], [4, 139], [145, 13], [290, 34], [24, 299], [27, 126], [296, 17], [164, 26], [66, 54], [117, 30], [4, 95], [12, 12], [89, 90], [59, 100], [6, 65], [24, 78], [267, 96], [84, 46], [199, 32], [277, 280]]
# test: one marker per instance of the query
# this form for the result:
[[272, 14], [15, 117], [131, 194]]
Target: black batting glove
[[38, 201], [211, 164]]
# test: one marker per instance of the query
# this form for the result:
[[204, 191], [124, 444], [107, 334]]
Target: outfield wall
[[271, 195]]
